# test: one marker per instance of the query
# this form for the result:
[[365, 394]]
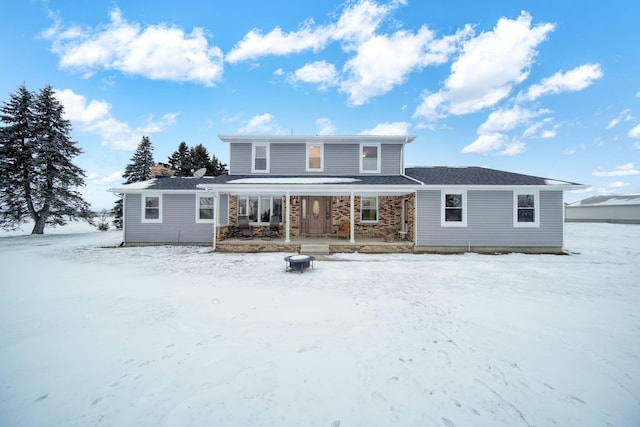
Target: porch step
[[314, 249]]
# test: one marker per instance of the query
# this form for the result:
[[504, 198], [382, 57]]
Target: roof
[[389, 139], [477, 176], [413, 179], [613, 200]]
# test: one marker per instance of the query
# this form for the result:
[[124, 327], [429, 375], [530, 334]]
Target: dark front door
[[316, 215]]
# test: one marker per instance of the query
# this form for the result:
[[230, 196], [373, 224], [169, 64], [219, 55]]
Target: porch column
[[216, 218], [352, 220], [287, 214]]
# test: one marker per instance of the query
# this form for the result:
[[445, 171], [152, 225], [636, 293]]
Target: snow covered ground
[[178, 336]]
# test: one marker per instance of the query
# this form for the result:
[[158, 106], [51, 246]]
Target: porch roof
[[334, 185]]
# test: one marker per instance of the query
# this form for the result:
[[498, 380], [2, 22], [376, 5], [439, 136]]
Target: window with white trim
[[204, 208], [454, 209], [315, 154], [370, 158], [260, 208], [152, 208], [369, 209], [526, 209], [260, 157]]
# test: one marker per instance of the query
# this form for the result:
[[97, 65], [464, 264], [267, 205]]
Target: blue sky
[[537, 87]]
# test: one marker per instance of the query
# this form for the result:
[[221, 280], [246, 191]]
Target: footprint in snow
[[448, 422], [44, 396], [98, 400]]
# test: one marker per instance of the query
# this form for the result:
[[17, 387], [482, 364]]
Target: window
[[525, 210], [369, 209], [260, 208], [260, 158], [314, 157], [204, 208], [152, 208], [370, 158], [454, 209]]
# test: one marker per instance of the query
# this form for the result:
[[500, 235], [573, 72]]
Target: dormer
[[330, 155]]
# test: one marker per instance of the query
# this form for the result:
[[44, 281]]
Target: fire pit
[[299, 262]]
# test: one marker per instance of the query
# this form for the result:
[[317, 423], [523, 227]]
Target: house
[[316, 183], [622, 209]]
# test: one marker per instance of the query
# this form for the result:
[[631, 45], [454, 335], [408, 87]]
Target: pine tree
[[200, 159], [180, 160], [217, 167], [141, 163], [138, 170], [39, 179]]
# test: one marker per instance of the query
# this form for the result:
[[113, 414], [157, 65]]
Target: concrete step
[[314, 249]]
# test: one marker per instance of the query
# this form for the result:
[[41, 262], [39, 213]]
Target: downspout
[[352, 218], [287, 214], [216, 218]]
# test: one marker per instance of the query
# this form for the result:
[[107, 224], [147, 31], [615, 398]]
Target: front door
[[316, 215]]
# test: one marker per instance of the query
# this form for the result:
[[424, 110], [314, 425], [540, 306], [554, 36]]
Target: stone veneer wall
[[388, 225]]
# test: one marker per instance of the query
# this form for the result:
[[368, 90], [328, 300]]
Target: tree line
[[38, 177]]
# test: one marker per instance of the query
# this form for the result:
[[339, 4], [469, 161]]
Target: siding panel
[[489, 221], [239, 158]]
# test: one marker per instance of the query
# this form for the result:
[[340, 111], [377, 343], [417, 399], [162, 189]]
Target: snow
[[91, 334], [555, 182], [293, 180], [617, 200]]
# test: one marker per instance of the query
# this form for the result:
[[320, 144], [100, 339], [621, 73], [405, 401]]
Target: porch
[[369, 245]]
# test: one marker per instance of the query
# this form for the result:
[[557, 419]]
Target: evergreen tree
[[39, 179], [180, 160], [141, 163], [200, 159], [217, 167], [138, 170]]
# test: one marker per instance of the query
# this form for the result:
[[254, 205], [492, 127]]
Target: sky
[[542, 88]]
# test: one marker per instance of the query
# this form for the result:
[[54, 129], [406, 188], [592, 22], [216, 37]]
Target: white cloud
[[388, 128], [622, 170], [489, 66], [571, 81], [95, 117], [158, 52], [113, 178], [507, 119], [320, 73], [265, 123], [624, 116], [618, 184], [383, 62], [357, 23], [635, 132], [486, 143], [325, 125]]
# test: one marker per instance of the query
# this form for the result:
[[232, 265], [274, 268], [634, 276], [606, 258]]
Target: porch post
[[216, 218], [352, 220], [287, 210]]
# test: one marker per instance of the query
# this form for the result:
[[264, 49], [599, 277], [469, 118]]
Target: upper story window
[[454, 209], [370, 158], [152, 208], [525, 209], [260, 157], [204, 208], [315, 155]]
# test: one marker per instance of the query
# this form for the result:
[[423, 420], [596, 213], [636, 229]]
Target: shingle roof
[[468, 176], [440, 175]]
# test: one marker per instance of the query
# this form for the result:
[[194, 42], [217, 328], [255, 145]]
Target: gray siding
[[489, 221], [240, 158], [178, 221], [291, 159]]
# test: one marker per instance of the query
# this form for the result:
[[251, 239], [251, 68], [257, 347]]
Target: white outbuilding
[[621, 208]]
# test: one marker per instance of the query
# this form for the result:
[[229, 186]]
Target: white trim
[[315, 144], [254, 145], [377, 210], [445, 223], [378, 157], [213, 208], [536, 208], [143, 207]]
